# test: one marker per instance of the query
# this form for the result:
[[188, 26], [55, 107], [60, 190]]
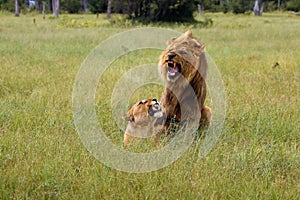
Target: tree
[[258, 8], [55, 7], [39, 5], [43, 10], [72, 6], [108, 9], [239, 6], [17, 8], [293, 5], [84, 6], [160, 10], [152, 10], [98, 6]]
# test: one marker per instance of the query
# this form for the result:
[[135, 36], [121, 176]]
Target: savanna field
[[42, 156]]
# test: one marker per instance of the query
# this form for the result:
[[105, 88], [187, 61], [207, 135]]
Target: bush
[[7, 5], [97, 6], [163, 10], [72, 6], [293, 5], [270, 6], [239, 7]]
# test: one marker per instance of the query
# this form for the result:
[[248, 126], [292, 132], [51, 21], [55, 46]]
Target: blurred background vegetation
[[151, 10]]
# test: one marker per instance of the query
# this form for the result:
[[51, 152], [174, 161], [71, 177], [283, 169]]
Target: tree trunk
[[43, 11], [131, 7], [17, 8], [55, 7], [199, 9], [84, 6], [108, 9], [147, 8], [256, 8], [39, 5], [51, 7]]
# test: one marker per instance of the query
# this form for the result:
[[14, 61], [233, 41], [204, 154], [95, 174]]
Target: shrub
[[293, 5]]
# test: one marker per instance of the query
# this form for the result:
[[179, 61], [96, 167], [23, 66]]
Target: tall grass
[[42, 157]]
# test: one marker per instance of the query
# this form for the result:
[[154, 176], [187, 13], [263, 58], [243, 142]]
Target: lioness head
[[183, 56], [143, 120], [143, 112]]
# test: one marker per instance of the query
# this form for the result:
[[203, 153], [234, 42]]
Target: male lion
[[143, 120], [183, 65]]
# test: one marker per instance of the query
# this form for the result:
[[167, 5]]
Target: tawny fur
[[189, 54], [142, 121]]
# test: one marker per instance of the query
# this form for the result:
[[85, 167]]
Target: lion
[[183, 65], [144, 120]]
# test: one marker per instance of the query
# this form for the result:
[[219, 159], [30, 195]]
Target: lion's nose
[[171, 56]]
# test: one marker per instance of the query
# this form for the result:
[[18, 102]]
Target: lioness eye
[[154, 100], [142, 102]]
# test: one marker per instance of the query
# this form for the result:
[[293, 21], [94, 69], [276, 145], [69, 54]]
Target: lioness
[[143, 120], [183, 65]]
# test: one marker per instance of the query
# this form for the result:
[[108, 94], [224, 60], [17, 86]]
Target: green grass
[[42, 157]]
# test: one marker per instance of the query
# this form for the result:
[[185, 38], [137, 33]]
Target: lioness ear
[[189, 33], [128, 117]]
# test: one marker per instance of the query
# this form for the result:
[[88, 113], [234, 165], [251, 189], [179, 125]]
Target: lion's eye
[[154, 100]]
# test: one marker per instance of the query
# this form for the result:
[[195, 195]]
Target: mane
[[191, 55]]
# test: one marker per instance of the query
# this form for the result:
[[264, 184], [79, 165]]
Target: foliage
[[7, 5], [97, 6], [293, 5], [163, 10], [242, 6], [239, 6], [119, 21], [159, 10], [71, 6], [174, 10]]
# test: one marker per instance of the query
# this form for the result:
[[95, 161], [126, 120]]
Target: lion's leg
[[127, 140], [156, 140], [205, 116]]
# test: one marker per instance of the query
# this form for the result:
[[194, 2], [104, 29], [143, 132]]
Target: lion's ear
[[128, 117]]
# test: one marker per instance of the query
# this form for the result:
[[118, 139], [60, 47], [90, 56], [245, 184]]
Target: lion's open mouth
[[173, 69]]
